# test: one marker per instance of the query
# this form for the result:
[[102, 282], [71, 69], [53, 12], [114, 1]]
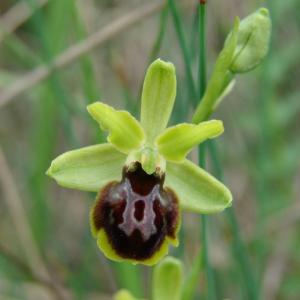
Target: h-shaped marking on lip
[[146, 225]]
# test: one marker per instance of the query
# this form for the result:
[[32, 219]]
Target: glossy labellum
[[136, 215]]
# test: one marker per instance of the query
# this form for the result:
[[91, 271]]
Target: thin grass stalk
[[203, 254], [71, 54], [238, 246], [185, 52], [202, 86], [265, 149], [202, 48], [161, 33]]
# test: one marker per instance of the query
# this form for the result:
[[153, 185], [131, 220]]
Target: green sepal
[[197, 190], [253, 41], [175, 142], [125, 132], [167, 279], [88, 168], [220, 78], [158, 96]]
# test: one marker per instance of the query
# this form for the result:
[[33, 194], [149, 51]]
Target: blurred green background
[[56, 56]]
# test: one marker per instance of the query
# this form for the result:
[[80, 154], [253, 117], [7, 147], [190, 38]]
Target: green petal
[[88, 168], [220, 79], [196, 189], [175, 142], [167, 279], [126, 133], [158, 98]]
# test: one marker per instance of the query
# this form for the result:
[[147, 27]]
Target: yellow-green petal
[[158, 96], [197, 190], [167, 279], [125, 132], [175, 142], [88, 168]]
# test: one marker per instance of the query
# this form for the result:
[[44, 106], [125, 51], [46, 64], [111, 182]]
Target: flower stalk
[[204, 252]]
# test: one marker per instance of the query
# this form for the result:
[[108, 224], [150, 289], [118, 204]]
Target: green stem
[[238, 246], [161, 33], [202, 86], [202, 47], [184, 49]]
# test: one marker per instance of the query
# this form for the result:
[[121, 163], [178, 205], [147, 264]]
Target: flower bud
[[124, 295], [253, 41]]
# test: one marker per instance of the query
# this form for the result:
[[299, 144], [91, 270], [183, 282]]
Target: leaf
[[158, 98], [175, 142], [167, 280], [196, 189], [88, 168], [125, 132]]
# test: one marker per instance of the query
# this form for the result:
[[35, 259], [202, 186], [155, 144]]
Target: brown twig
[[21, 224], [16, 16], [22, 266], [15, 260], [74, 52]]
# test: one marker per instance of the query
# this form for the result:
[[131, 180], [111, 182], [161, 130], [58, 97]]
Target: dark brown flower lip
[[137, 214]]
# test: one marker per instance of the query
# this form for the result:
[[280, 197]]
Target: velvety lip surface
[[137, 214]]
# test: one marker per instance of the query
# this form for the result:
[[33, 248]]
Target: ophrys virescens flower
[[141, 174]]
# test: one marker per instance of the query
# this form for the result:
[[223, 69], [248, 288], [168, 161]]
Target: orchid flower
[[142, 176]]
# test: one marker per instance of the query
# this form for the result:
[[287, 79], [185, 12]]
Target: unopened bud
[[253, 41]]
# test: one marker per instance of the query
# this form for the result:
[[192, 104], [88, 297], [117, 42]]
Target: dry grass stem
[[74, 52], [20, 223], [16, 16]]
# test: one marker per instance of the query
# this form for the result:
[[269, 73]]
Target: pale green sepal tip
[[125, 132], [197, 190], [158, 96], [88, 168], [124, 295], [253, 41], [177, 141], [167, 279]]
